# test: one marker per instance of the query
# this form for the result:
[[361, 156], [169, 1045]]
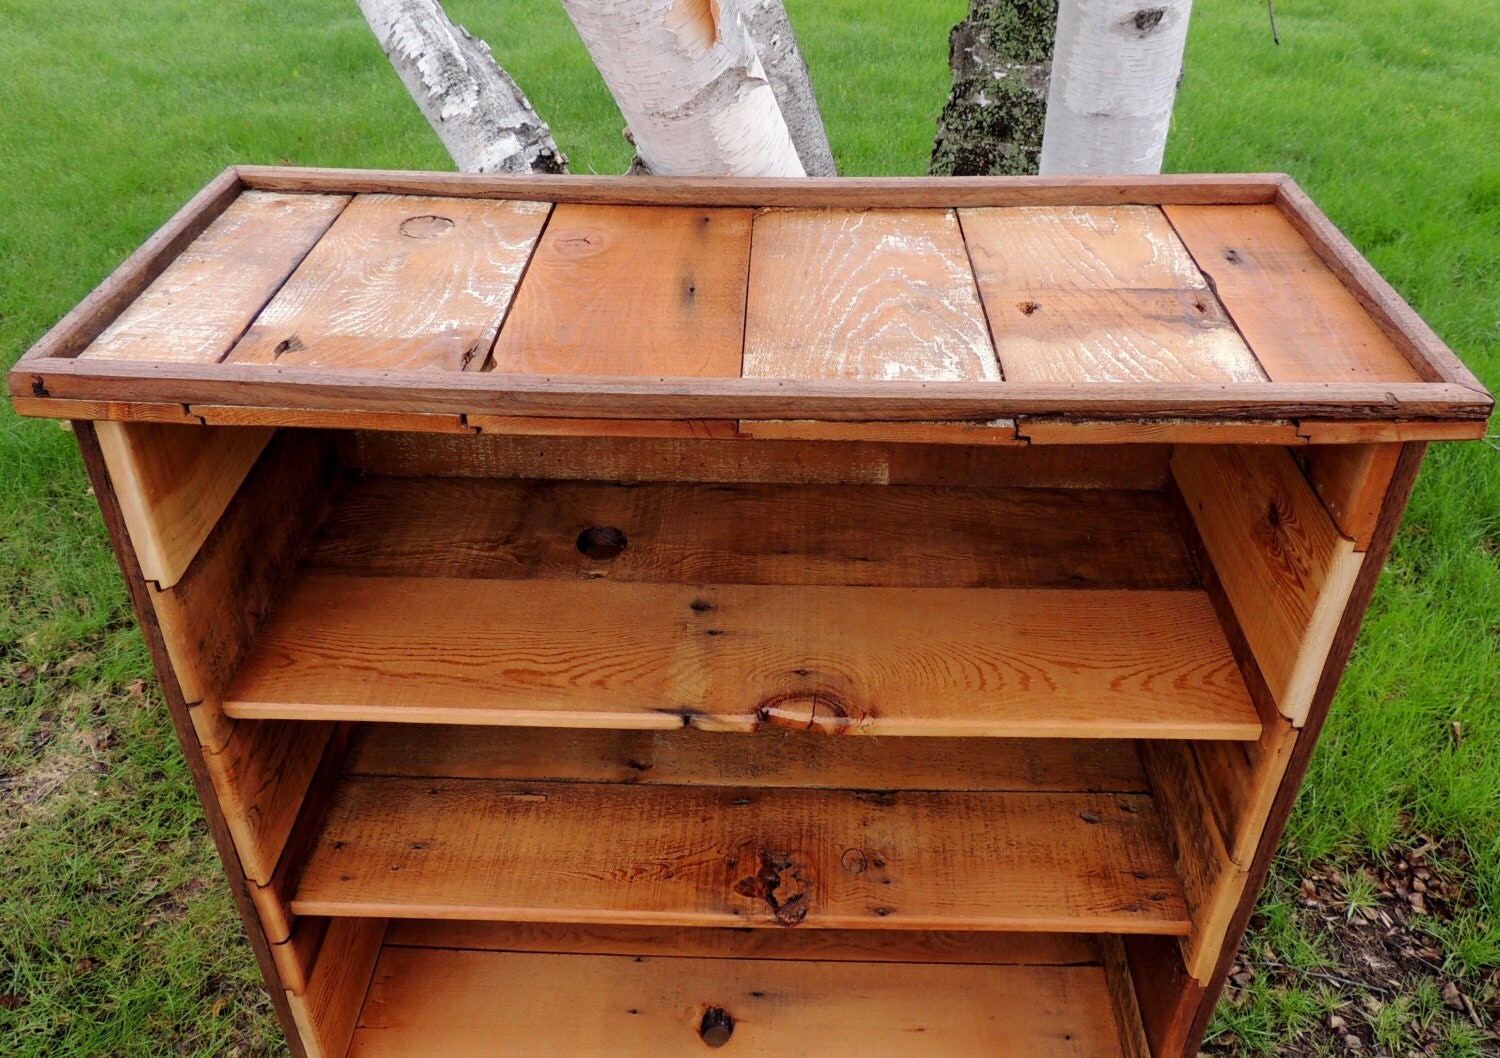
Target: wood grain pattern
[[1328, 432], [996, 432], [537, 426], [173, 483], [915, 661], [425, 1001], [1071, 431], [1094, 294], [1283, 564], [772, 759], [295, 956], [1122, 997], [822, 945], [1352, 480], [908, 536], [237, 415], [121, 411], [399, 283], [1302, 322], [643, 459], [863, 294], [202, 303], [619, 291], [328, 1011], [742, 856]]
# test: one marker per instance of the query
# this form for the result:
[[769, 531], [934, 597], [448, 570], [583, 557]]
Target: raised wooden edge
[[834, 400], [69, 336], [1063, 431], [1186, 1045], [93, 460], [327, 1011], [1428, 354], [877, 192]]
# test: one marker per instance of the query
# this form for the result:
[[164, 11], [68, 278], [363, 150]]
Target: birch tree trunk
[[480, 114], [776, 44], [687, 78], [1115, 70]]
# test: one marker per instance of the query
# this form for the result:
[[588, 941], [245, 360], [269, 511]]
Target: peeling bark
[[479, 113], [1114, 83], [687, 78], [1001, 56], [776, 44]]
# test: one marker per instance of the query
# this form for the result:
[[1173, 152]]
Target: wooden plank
[[616, 290], [628, 460], [742, 856], [1122, 997], [123, 411], [1282, 562], [863, 294], [937, 192], [1099, 294], [1167, 996], [295, 956], [399, 283], [173, 483], [328, 1011], [1324, 432], [996, 432], [209, 616], [205, 299], [424, 1002], [909, 535], [1041, 431], [772, 759], [261, 777], [235, 415], [896, 661], [536, 426], [821, 945], [1352, 480], [1302, 322]]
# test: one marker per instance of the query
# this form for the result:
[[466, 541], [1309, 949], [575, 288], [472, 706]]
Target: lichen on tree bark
[[1001, 55]]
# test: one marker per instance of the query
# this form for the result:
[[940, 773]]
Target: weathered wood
[[742, 856], [1302, 322], [174, 482], [914, 661], [613, 292], [1042, 431], [538, 426], [296, 955], [1122, 997], [641, 459], [120, 411], [1284, 565], [399, 283], [772, 759], [1099, 295], [202, 303], [821, 945], [234, 415], [1351, 480], [328, 1011], [1325, 432], [1167, 996], [425, 1001], [901, 536], [996, 432], [863, 294]]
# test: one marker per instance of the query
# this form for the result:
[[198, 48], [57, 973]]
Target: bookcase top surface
[[1187, 308]]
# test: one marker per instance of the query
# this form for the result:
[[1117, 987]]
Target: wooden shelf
[[460, 1003], [937, 848]]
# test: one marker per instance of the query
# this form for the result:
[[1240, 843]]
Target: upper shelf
[[1011, 310]]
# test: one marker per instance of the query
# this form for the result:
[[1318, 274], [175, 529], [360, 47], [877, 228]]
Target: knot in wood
[[601, 542]]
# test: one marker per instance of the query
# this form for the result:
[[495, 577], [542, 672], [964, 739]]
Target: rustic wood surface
[[821, 945], [867, 294], [327, 1011], [1099, 295], [614, 291], [200, 306], [902, 536], [424, 1001], [767, 758], [914, 661], [399, 283], [1351, 480], [742, 856]]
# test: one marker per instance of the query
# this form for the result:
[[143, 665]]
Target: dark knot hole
[[601, 542]]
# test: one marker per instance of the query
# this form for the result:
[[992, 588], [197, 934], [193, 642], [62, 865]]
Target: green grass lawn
[[116, 936]]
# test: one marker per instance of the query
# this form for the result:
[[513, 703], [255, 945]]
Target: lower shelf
[[467, 1004]]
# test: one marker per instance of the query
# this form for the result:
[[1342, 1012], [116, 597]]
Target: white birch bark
[[1115, 70], [686, 77], [786, 69], [482, 117]]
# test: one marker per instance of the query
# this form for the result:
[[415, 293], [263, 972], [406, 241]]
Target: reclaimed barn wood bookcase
[[851, 617]]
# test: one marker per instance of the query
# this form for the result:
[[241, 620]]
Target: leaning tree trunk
[[776, 44], [1001, 55], [1115, 72], [484, 120], [686, 76]]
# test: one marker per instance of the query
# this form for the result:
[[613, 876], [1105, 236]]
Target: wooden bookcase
[[826, 617]]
